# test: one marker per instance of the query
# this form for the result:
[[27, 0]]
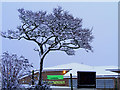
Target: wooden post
[[71, 81], [32, 77], [118, 82]]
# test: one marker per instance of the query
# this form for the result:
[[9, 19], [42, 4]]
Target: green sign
[[54, 77]]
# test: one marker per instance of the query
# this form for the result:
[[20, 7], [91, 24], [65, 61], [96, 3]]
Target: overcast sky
[[103, 17]]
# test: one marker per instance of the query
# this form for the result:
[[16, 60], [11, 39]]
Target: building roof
[[48, 69], [74, 67], [44, 70], [114, 70], [100, 70]]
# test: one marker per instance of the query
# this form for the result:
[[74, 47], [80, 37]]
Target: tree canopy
[[58, 30], [55, 31]]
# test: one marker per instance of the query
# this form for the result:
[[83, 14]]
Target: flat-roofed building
[[118, 78], [60, 75]]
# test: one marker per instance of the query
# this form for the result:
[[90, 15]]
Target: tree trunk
[[41, 64], [40, 73], [41, 67]]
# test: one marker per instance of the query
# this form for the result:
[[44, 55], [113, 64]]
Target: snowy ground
[[69, 88], [62, 88]]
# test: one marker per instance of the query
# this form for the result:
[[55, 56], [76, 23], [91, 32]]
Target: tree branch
[[71, 47], [45, 53], [31, 29], [28, 38], [51, 49], [47, 39], [10, 37]]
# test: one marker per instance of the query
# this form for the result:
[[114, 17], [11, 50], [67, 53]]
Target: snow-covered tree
[[13, 67], [58, 30]]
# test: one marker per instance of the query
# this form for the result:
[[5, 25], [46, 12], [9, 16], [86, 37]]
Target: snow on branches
[[13, 67], [54, 31]]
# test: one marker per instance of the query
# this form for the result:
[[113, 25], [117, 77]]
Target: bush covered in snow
[[13, 67]]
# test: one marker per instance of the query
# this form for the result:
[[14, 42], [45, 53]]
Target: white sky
[[102, 16]]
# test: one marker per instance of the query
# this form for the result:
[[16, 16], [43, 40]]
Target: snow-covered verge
[[59, 87], [30, 87], [36, 87]]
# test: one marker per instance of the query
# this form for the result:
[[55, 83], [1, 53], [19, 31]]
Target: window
[[74, 82], [104, 83]]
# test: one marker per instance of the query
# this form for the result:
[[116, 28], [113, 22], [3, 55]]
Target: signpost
[[71, 81]]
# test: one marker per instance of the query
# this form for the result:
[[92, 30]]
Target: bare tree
[[58, 30], [13, 68]]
